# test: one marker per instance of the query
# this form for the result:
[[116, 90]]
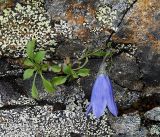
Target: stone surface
[[128, 125], [153, 114], [141, 27], [10, 67], [155, 130], [24, 21], [70, 24], [125, 72], [88, 20], [44, 121], [73, 26], [12, 95]]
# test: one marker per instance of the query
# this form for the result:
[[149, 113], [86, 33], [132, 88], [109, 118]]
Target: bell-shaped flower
[[102, 95]]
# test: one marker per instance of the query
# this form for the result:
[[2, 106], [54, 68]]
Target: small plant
[[35, 65]]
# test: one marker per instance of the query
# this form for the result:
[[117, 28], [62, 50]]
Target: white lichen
[[22, 23], [107, 16], [155, 129]]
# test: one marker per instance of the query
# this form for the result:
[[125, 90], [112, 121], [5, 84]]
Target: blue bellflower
[[102, 95]]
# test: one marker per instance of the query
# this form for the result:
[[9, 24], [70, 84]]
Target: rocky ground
[[65, 28]]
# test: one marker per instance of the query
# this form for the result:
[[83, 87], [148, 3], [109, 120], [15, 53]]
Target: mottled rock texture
[[153, 114], [73, 25], [141, 26]]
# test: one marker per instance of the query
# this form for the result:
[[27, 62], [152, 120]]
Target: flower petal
[[110, 99], [98, 98]]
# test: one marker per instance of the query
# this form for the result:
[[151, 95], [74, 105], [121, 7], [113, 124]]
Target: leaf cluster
[[34, 63]]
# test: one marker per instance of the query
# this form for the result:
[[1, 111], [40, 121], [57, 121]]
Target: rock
[[84, 23], [66, 23], [128, 125], [149, 91], [12, 95], [125, 72], [125, 98], [22, 22], [141, 27], [155, 130], [10, 67], [153, 114], [44, 121]]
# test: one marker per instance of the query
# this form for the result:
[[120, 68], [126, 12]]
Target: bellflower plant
[[102, 95]]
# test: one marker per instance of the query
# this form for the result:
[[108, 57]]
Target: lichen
[[155, 129], [107, 16], [22, 23]]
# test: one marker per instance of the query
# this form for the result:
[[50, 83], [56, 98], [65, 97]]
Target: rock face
[[65, 28], [153, 114], [129, 125], [28, 20], [141, 26], [70, 24], [125, 71]]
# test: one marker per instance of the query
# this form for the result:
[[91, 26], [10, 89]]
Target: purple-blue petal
[[110, 99], [102, 96], [89, 108], [98, 98]]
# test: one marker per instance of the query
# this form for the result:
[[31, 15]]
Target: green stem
[[35, 77], [86, 61]]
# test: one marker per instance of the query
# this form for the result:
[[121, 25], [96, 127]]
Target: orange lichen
[[139, 24], [78, 18], [144, 4]]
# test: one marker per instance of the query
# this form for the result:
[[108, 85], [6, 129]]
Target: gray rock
[[44, 121], [153, 114], [143, 32], [9, 69], [124, 97], [155, 130], [125, 72], [10, 95], [128, 125]]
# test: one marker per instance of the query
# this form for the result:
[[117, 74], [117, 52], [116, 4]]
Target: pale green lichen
[[155, 129], [22, 23], [106, 16]]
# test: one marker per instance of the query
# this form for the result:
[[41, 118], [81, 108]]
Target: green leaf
[[59, 80], [44, 67], [67, 69], [39, 56], [34, 91], [56, 68], [28, 73], [74, 74], [30, 48], [83, 72], [28, 62], [47, 85]]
